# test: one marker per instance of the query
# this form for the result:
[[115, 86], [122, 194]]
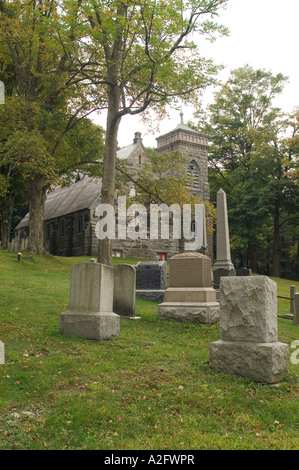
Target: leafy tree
[[250, 157], [13, 192], [29, 158], [292, 144], [164, 179], [40, 41], [144, 57], [73, 56]]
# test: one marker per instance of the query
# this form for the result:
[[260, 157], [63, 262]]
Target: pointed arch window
[[193, 176]]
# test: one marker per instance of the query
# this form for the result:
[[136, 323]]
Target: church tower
[[193, 145]]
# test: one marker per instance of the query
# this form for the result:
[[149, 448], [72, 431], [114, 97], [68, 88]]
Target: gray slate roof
[[79, 196], [125, 152], [62, 201]]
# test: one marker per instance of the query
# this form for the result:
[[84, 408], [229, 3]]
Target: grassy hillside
[[150, 389]]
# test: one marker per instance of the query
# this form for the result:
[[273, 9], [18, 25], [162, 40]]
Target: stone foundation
[[99, 326], [262, 362], [206, 313], [153, 295], [191, 294]]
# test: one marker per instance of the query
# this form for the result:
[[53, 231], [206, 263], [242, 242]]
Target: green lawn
[[150, 389]]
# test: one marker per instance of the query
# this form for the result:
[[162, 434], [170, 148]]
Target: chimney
[[138, 138]]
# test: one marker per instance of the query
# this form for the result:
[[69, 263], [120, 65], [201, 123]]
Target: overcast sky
[[263, 34]]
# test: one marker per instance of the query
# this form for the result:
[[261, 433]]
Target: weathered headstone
[[90, 313], [248, 344], [219, 273], [124, 290], [243, 271], [223, 265], [190, 270], [190, 296], [151, 279], [2, 353]]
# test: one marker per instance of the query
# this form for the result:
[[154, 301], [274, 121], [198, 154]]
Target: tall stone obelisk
[[223, 265]]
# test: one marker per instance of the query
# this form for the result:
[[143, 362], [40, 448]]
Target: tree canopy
[[71, 57], [145, 55], [254, 162], [45, 101]]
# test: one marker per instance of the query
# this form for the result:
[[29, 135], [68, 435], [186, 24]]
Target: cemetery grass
[[150, 389]]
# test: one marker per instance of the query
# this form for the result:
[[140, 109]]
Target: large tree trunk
[[37, 197], [5, 222], [276, 245], [4, 232], [251, 253], [108, 178]]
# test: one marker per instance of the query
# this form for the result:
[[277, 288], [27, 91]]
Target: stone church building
[[70, 212]]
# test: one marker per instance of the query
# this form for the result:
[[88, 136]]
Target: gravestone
[[90, 313], [190, 296], [124, 290], [151, 279], [218, 274], [243, 272], [223, 265], [2, 353], [248, 344]]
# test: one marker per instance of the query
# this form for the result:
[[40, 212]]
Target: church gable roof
[[82, 194], [62, 201], [128, 152], [124, 153]]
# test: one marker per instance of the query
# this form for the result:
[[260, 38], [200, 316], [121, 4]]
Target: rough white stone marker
[[248, 344], [90, 313]]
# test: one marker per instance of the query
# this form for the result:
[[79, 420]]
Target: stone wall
[[68, 235], [194, 146]]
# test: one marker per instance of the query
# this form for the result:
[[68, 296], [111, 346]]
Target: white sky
[[263, 34]]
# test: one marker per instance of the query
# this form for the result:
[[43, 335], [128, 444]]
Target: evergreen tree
[[250, 159]]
